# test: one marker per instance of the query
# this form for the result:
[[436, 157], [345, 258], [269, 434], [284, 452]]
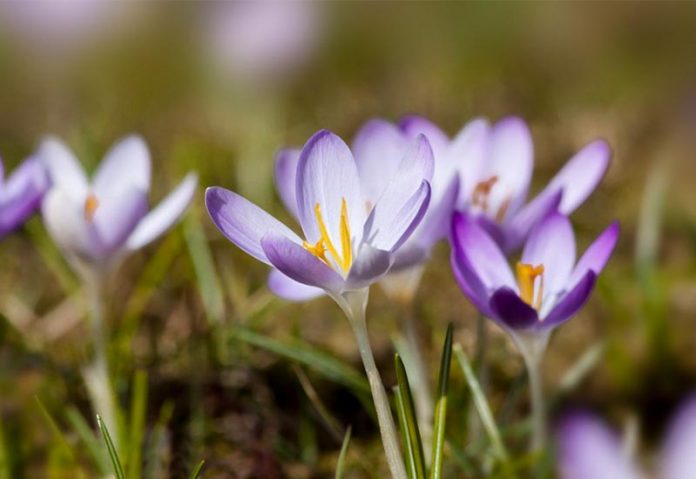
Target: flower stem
[[353, 305], [96, 373], [532, 348], [475, 426]]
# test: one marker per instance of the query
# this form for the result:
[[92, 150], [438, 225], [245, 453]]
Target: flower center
[[526, 280], [344, 259], [91, 205], [480, 198]]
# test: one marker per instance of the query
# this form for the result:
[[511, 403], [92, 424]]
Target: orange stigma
[[526, 279], [91, 205]]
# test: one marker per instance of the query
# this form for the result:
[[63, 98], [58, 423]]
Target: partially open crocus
[[588, 449], [546, 288], [21, 194], [96, 223], [379, 148], [496, 162], [349, 240]]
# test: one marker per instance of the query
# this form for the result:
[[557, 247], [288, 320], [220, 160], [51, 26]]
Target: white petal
[[126, 164], [65, 222], [63, 168]]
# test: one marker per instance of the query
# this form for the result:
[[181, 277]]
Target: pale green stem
[[532, 348], [353, 305], [419, 381], [96, 374]]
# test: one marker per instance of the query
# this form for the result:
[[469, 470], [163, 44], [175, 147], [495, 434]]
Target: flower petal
[[21, 194], [370, 265], [242, 222], [297, 263], [581, 175], [519, 226], [413, 125], [437, 220], [588, 449], [570, 303], [678, 456], [487, 261], [326, 176], [469, 282], [597, 254], [378, 148], [126, 164], [285, 176], [509, 309], [290, 290], [468, 153], [552, 245], [65, 222], [64, 170], [164, 215], [117, 215]]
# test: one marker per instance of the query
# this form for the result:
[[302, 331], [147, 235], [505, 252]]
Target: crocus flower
[[588, 449], [379, 147], [547, 286], [496, 162], [96, 223], [350, 239], [21, 194]]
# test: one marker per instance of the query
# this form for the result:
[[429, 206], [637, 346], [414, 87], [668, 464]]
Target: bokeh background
[[219, 88]]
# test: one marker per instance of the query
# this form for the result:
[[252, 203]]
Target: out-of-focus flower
[[546, 288], [350, 239], [21, 193], [379, 147], [496, 162], [97, 223], [588, 449], [262, 39]]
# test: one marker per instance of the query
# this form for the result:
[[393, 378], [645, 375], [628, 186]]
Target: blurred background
[[219, 87]]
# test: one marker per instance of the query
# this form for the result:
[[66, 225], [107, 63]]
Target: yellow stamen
[[345, 260], [91, 205], [526, 277]]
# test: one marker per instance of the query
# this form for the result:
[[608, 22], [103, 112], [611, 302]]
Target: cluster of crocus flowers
[[588, 448], [96, 224], [21, 194]]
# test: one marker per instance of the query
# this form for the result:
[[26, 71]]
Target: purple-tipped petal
[[242, 222], [21, 194], [510, 158], [64, 171], [117, 215], [597, 254], [370, 265], [581, 175], [378, 148], [297, 263], [164, 215], [437, 220], [469, 282], [414, 125], [326, 176], [678, 455], [509, 309], [552, 245], [126, 164], [517, 230], [290, 290], [570, 303], [402, 205], [285, 176], [588, 449], [468, 153], [487, 260]]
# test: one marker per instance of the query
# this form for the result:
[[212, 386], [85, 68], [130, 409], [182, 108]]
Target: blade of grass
[[136, 429], [197, 471], [441, 407], [341, 463], [115, 461], [89, 439], [310, 356], [67, 450], [409, 456], [481, 405], [414, 445]]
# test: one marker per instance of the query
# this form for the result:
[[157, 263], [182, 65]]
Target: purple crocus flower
[[350, 239], [97, 223], [21, 193], [589, 449], [496, 162], [547, 287], [379, 148]]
